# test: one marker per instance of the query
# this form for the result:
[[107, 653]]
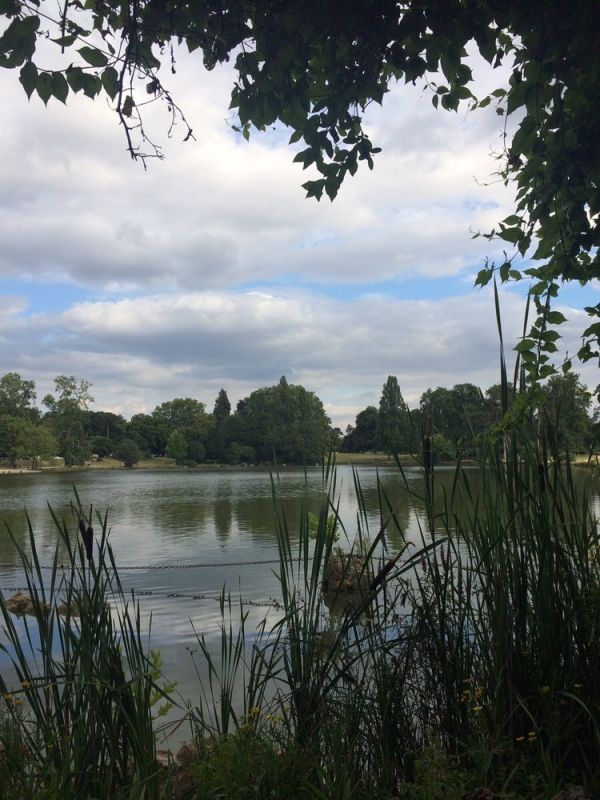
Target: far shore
[[161, 463]]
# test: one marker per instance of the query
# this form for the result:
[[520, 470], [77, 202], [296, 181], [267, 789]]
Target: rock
[[21, 604], [346, 582]]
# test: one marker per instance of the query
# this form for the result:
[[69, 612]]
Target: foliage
[[393, 423], [176, 446], [285, 422], [17, 396], [149, 433], [15, 438], [112, 427], [81, 715], [315, 67], [128, 452], [457, 414], [222, 407], [182, 412], [67, 413], [565, 407]]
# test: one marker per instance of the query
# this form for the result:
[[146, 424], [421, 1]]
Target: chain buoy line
[[131, 568]]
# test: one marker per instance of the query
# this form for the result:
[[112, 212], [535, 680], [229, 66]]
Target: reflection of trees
[[222, 515], [175, 515]]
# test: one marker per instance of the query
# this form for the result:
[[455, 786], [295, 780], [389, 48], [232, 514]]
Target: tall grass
[[469, 659], [80, 723], [480, 647]]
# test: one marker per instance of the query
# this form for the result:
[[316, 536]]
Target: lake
[[179, 537]]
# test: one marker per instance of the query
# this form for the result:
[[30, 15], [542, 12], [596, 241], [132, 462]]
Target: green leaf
[[314, 188], [593, 330], [525, 346], [566, 366], [93, 56], [60, 87], [484, 276], [462, 93], [110, 82], [44, 86], [91, 85], [65, 41], [511, 235], [75, 78], [556, 318], [28, 77]]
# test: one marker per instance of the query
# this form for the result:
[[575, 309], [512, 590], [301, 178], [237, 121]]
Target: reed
[[83, 710]]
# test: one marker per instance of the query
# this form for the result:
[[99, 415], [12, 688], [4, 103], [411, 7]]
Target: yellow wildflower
[[25, 684], [520, 738], [545, 689], [254, 712], [8, 697], [477, 709]]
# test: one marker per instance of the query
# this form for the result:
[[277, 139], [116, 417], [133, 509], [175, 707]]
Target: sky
[[210, 269]]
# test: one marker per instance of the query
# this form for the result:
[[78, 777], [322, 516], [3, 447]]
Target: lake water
[[176, 533]]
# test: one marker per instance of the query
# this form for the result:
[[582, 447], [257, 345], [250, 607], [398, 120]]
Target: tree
[[15, 438], [43, 443], [128, 452], [176, 446], [17, 396], [315, 67], [182, 412], [392, 419], [222, 407], [112, 427], [286, 422], [565, 406], [149, 433], [459, 415], [361, 438], [67, 414]]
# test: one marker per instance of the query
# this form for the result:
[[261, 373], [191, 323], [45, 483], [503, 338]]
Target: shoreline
[[163, 463]]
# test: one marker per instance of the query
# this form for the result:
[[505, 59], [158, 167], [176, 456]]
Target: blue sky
[[212, 270]]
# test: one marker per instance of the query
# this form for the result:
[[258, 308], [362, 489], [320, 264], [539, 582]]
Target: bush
[[128, 452]]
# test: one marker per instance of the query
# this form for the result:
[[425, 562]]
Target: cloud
[[220, 212], [165, 255], [139, 352]]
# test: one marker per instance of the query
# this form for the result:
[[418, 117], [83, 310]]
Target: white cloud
[[219, 214], [140, 352]]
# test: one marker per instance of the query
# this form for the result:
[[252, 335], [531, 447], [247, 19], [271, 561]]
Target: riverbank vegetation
[[281, 424], [464, 665]]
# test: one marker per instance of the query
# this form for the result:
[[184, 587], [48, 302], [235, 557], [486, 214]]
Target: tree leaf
[[93, 56], [44, 86], [28, 77], [110, 82], [60, 87]]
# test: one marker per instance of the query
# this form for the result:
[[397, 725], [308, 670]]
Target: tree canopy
[[315, 67]]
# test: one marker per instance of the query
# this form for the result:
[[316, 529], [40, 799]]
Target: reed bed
[[465, 666]]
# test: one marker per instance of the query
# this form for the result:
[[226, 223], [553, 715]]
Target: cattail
[[87, 534]]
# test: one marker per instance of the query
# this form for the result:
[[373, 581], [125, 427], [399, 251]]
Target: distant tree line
[[459, 417], [285, 422]]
